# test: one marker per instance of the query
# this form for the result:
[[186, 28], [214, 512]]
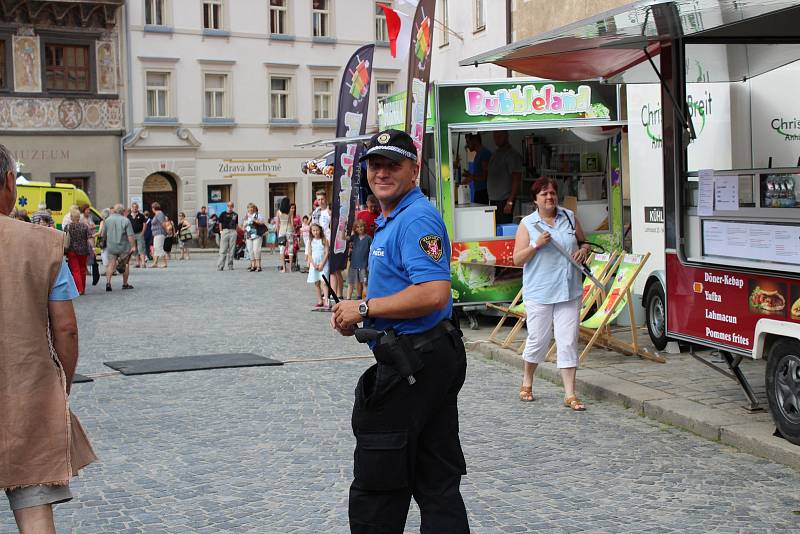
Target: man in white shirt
[[322, 213]]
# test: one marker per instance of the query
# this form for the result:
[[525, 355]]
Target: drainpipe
[[131, 131], [508, 29]]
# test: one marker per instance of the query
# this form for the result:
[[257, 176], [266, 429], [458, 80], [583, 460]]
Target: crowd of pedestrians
[[128, 237]]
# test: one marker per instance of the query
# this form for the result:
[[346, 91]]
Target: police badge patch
[[432, 246]]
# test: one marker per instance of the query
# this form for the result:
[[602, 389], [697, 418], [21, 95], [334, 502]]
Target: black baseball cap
[[393, 144]]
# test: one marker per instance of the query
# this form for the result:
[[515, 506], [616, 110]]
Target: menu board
[[723, 306], [752, 241]]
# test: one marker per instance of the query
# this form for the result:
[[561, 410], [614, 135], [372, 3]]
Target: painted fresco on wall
[[27, 64], [60, 114], [106, 68]]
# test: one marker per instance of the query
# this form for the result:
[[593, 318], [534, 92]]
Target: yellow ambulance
[[58, 198]]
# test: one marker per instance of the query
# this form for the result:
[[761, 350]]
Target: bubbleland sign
[[527, 100]]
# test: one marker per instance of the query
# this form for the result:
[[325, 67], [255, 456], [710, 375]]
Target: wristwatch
[[363, 309]]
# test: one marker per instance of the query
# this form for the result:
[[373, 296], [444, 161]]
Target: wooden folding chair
[[507, 310], [595, 328]]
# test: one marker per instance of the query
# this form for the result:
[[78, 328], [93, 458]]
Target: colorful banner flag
[[419, 70], [351, 121]]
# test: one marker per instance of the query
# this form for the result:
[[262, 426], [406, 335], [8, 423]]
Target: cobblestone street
[[269, 449]]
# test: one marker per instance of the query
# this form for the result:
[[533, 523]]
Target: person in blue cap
[[405, 415]]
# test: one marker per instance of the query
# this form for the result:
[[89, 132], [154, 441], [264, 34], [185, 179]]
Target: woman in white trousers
[[551, 287]]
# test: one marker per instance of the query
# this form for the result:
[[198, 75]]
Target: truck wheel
[[783, 388], [656, 315]]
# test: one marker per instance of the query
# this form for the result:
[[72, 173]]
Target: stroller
[[240, 248], [296, 246]]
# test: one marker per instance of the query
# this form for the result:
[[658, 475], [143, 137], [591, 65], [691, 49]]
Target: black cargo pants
[[407, 444]]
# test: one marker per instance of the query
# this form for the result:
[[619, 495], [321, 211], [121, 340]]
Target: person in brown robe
[[42, 444]]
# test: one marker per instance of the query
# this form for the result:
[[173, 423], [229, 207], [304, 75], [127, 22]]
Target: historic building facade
[[467, 28], [60, 84], [533, 17], [223, 91]]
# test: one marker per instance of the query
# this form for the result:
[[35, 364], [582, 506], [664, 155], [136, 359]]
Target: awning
[[747, 33]]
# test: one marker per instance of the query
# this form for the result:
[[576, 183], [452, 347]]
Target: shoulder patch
[[431, 245]]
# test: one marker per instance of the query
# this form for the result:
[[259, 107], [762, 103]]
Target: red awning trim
[[587, 64]]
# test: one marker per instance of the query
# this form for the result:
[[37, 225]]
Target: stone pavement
[[269, 450], [683, 392]]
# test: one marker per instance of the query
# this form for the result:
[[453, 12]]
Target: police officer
[[405, 416]]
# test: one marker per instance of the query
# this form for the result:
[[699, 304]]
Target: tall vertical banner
[[419, 72], [351, 121]]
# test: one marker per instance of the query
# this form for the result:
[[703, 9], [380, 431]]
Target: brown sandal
[[526, 394], [575, 403]]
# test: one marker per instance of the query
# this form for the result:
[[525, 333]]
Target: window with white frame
[[381, 28], [278, 16], [154, 12], [157, 89], [214, 88], [443, 23], [212, 14], [479, 13], [323, 98], [280, 94], [321, 17], [383, 89]]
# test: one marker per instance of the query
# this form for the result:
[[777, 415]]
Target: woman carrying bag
[[551, 287], [254, 229], [184, 235]]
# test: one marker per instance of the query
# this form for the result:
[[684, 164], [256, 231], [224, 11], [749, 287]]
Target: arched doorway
[[161, 187]]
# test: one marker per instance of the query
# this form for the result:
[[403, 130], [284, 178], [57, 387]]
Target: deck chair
[[510, 310], [596, 329], [603, 267]]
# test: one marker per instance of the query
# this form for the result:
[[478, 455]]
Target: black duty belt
[[403, 352], [429, 336]]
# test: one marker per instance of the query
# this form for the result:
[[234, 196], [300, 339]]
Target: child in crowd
[[319, 264], [305, 233], [272, 235], [360, 243]]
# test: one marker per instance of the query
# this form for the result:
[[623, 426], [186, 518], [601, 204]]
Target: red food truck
[[731, 234]]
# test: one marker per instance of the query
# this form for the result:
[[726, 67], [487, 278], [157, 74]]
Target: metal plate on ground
[[190, 363], [80, 379]]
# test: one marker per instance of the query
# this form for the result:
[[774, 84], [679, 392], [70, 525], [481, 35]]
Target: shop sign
[[723, 307], [654, 214], [231, 168], [50, 154], [526, 100], [775, 116], [788, 129]]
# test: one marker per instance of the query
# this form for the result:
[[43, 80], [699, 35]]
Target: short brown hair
[[541, 183], [155, 206], [321, 192]]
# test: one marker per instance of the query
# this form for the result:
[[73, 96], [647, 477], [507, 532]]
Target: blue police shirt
[[410, 247]]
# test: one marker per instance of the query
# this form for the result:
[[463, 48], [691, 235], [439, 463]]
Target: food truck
[[569, 131], [731, 232]]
